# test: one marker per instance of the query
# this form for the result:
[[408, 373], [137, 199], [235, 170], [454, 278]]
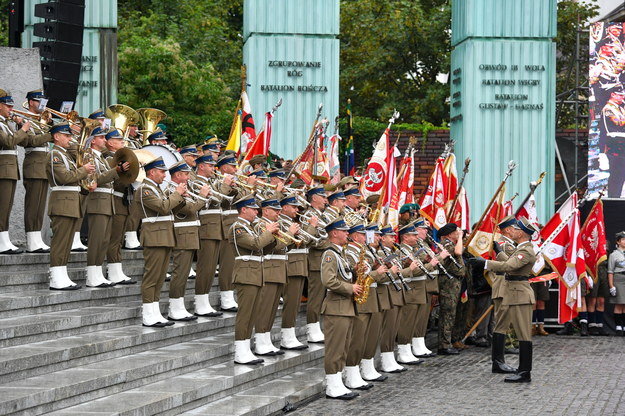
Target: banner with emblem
[[460, 216], [482, 243], [248, 130], [594, 240], [433, 201], [376, 173]]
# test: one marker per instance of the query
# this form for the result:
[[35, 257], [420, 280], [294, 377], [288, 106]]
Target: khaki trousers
[[7, 190], [292, 298], [62, 238], [83, 209], [407, 319], [247, 298], [207, 259], [520, 316], [267, 306], [183, 260], [156, 262], [114, 251], [359, 339], [226, 265], [337, 331], [35, 200], [390, 324], [423, 317], [373, 335], [316, 294], [98, 240]]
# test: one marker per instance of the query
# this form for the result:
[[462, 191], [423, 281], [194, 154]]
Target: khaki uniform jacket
[[157, 226], [274, 258], [498, 281], [247, 247], [187, 224], [315, 250], [63, 172], [36, 155], [352, 254], [119, 189], [210, 214], [330, 214], [337, 277], [431, 285], [520, 263], [8, 143], [418, 280], [229, 212], [297, 257], [100, 201], [388, 296]]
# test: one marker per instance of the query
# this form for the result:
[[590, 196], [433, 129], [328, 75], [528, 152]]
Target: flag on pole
[[460, 216], [406, 181], [433, 201], [482, 242], [450, 180], [376, 174], [528, 211], [391, 194], [334, 165], [234, 142], [508, 208], [350, 162], [248, 130], [594, 240], [563, 250]]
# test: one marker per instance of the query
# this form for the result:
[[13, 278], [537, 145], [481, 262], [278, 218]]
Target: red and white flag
[[248, 130], [376, 173], [334, 165], [482, 242], [594, 240], [528, 211], [450, 180], [406, 181], [391, 194], [433, 201], [260, 146], [564, 252], [508, 208], [460, 216]]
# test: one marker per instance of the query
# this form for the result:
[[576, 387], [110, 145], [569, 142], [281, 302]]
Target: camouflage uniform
[[449, 296]]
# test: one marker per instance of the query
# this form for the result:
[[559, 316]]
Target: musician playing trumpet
[[335, 209], [274, 276], [186, 231], [297, 270]]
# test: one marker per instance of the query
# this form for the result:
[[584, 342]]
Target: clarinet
[[388, 274], [419, 262], [430, 253], [440, 247], [401, 276]]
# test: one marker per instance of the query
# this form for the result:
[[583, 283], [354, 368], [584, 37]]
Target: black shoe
[[298, 348], [13, 251], [482, 344], [346, 396], [583, 329], [470, 341], [365, 387], [430, 355], [76, 250], [233, 309], [502, 368], [127, 282], [602, 332], [520, 377], [38, 251], [593, 330], [267, 354], [511, 350], [380, 379], [257, 361], [73, 287], [448, 351], [567, 329], [156, 325], [210, 314], [185, 319]]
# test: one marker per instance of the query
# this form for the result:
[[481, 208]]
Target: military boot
[[524, 372], [583, 329], [540, 329], [499, 361], [566, 330]]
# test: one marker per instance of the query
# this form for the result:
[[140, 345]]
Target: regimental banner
[[606, 136]]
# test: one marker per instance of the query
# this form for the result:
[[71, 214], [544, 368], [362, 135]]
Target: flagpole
[[562, 224], [310, 141], [467, 162], [533, 186], [511, 166], [349, 135]]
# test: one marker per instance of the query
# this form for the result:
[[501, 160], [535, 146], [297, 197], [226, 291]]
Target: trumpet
[[72, 117], [280, 235], [214, 195], [287, 223], [236, 182], [173, 185], [320, 227], [242, 177]]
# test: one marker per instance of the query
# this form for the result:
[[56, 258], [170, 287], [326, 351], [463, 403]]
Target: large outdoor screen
[[606, 136]]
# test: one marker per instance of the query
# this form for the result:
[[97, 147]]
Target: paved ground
[[571, 376]]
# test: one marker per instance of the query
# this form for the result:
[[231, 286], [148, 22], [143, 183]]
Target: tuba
[[362, 278], [150, 117], [122, 117]]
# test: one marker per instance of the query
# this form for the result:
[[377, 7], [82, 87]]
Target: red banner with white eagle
[[433, 201], [594, 240], [376, 174], [482, 243]]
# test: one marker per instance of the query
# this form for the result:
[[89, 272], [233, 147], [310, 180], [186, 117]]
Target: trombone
[[173, 185], [287, 223], [237, 182], [37, 119]]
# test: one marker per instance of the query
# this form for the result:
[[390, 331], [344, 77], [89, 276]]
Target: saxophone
[[362, 278]]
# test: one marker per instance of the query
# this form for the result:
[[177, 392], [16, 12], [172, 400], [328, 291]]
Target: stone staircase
[[85, 352]]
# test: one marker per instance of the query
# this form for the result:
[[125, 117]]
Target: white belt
[[104, 190], [249, 258], [195, 223], [36, 149], [210, 211], [230, 212], [119, 194], [157, 219], [65, 188], [374, 284], [298, 251], [8, 152], [275, 257]]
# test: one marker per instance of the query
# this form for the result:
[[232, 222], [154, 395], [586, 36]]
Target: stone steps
[[102, 375]]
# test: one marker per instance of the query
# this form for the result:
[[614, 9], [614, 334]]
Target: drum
[[147, 153]]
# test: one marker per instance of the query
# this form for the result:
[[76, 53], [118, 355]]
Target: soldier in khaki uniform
[[9, 170], [157, 236], [64, 206], [186, 230], [115, 273], [35, 179], [211, 235], [518, 296], [248, 274], [317, 199], [274, 277], [339, 309], [100, 211], [227, 165], [297, 271], [277, 178], [335, 209]]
